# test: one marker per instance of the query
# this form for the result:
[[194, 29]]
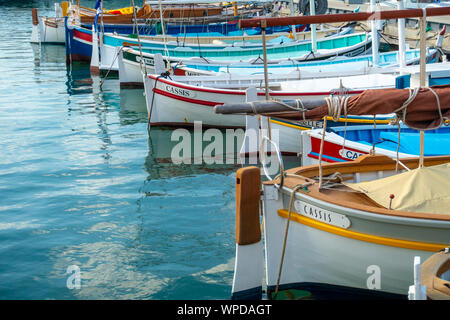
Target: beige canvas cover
[[425, 190]]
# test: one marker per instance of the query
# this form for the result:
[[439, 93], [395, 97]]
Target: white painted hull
[[334, 141], [109, 58], [289, 137], [176, 103], [321, 257], [48, 33], [174, 112], [130, 73]]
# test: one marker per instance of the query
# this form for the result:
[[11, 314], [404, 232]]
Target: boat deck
[[364, 168]]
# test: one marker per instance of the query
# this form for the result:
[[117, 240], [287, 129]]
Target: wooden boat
[[349, 45], [348, 143], [129, 62], [49, 29], [330, 246], [351, 136], [435, 274], [184, 99], [52, 29], [87, 15], [348, 228], [201, 37], [79, 37], [432, 278], [179, 103]]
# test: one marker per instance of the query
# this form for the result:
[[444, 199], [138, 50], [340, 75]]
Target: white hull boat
[[349, 229], [349, 143], [339, 243], [112, 44], [173, 103], [48, 30], [131, 65]]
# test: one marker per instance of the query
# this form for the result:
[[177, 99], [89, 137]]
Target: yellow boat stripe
[[391, 242], [290, 125], [363, 121], [370, 121]]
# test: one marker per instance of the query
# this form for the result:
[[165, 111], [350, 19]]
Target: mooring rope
[[291, 201], [110, 67], [139, 39], [335, 105], [162, 75]]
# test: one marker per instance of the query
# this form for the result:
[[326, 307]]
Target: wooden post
[[291, 7], [34, 17], [142, 65], [375, 36], [423, 23], [78, 10], [401, 39], [266, 73], [312, 11]]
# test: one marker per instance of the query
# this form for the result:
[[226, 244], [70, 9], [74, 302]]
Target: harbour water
[[83, 184]]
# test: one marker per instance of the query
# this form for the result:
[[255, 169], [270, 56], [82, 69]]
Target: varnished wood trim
[[248, 195], [431, 272]]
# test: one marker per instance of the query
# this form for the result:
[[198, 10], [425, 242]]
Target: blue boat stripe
[[327, 157]]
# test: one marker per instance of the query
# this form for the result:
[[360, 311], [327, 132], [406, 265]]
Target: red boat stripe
[[174, 96], [331, 149], [81, 35]]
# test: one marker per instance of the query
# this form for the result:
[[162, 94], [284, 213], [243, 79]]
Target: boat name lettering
[[179, 91], [147, 61], [349, 154], [316, 213], [311, 123]]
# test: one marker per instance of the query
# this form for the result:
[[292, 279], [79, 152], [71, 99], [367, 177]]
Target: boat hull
[[79, 39], [338, 149], [178, 104], [372, 252], [78, 44], [225, 31], [49, 31]]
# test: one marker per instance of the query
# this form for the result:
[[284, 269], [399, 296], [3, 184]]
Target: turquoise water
[[83, 183]]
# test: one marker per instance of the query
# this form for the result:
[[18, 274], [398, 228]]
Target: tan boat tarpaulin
[[425, 190]]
